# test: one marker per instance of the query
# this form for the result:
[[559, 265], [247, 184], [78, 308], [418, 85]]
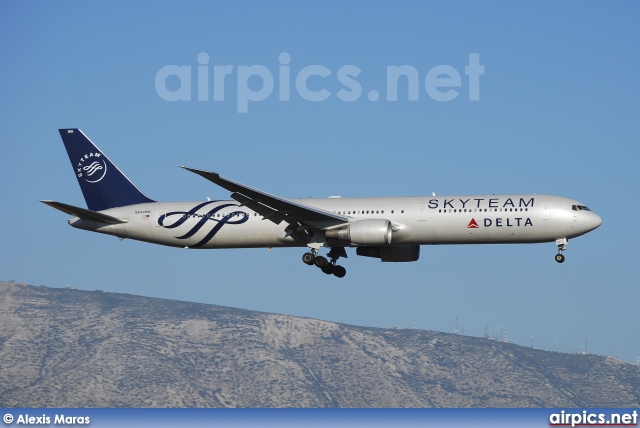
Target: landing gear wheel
[[320, 262], [562, 245], [339, 271], [308, 258], [328, 268]]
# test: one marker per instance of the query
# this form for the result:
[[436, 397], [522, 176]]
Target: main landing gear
[[562, 245], [327, 266]]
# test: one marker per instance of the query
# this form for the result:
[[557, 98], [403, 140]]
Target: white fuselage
[[422, 220]]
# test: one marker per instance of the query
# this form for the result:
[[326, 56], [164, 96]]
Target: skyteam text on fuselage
[[391, 229]]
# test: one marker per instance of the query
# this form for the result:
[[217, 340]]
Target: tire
[[339, 271], [320, 261], [559, 258], [308, 258], [328, 268]]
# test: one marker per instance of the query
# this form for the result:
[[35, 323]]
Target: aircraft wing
[[299, 216], [84, 213]]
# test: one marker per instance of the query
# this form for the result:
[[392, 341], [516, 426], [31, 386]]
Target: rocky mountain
[[71, 348]]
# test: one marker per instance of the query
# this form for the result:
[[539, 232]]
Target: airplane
[[391, 229]]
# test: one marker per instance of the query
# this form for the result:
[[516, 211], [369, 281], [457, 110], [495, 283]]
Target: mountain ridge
[[73, 348]]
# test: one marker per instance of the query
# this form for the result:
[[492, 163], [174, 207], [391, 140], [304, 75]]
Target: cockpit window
[[580, 208]]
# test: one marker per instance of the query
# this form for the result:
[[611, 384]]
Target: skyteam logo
[[92, 167], [199, 221]]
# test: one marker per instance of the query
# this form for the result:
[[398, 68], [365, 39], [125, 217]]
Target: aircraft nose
[[596, 220]]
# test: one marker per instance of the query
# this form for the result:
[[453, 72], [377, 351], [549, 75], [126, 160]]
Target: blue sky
[[557, 113]]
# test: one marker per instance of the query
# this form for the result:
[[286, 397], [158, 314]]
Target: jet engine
[[391, 253], [363, 232]]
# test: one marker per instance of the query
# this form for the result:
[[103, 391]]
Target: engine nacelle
[[391, 253], [363, 232]]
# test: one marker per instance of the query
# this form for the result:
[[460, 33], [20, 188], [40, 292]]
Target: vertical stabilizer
[[103, 185]]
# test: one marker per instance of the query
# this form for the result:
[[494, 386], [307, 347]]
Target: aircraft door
[[422, 212], [546, 210], [159, 214], [159, 233]]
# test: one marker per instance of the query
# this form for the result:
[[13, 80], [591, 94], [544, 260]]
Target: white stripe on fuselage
[[416, 220]]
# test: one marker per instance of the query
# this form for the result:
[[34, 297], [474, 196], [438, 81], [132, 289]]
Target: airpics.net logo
[[256, 83]]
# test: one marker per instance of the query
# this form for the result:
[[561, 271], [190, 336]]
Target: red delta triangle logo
[[472, 224]]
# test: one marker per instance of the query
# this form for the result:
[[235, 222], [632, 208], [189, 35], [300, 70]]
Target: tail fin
[[103, 185]]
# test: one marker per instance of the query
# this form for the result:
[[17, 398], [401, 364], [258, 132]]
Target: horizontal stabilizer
[[84, 213]]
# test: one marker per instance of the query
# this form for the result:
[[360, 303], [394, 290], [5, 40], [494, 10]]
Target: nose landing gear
[[327, 266], [562, 245]]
